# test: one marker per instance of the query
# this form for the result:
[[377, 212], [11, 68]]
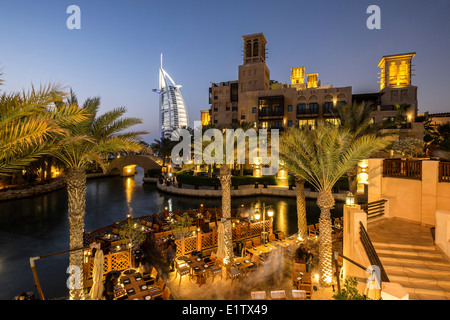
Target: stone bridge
[[125, 165]]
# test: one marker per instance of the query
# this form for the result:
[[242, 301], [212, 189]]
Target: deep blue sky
[[116, 53]]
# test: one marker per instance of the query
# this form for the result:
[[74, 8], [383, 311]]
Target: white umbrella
[[220, 244], [96, 292]]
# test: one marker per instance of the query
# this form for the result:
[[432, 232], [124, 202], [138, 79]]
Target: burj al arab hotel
[[173, 113]]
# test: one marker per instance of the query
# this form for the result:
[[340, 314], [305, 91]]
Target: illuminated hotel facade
[[269, 104], [173, 112]]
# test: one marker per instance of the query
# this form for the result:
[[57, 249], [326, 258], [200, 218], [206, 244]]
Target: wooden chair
[[216, 269], [281, 235], [307, 288], [256, 242], [158, 289], [248, 244], [182, 271], [312, 232], [272, 237], [166, 294], [298, 294], [278, 295], [317, 227], [233, 274], [258, 295]]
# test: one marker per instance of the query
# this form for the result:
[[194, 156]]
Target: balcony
[[304, 113]]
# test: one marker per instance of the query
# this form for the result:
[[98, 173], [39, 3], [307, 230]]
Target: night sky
[[116, 53]]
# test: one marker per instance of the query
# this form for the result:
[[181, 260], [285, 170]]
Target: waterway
[[39, 225]]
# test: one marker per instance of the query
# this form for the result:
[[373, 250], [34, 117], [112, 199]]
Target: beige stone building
[[268, 104]]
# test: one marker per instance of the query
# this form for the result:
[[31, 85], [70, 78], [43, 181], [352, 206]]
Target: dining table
[[136, 287], [199, 268], [242, 263], [262, 249]]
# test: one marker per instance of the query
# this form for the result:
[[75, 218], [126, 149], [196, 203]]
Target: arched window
[[248, 49], [255, 48]]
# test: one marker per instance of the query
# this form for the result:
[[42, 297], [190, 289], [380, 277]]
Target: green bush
[[246, 180], [187, 178], [153, 172]]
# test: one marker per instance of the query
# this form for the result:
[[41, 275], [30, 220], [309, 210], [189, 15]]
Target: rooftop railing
[[407, 169], [444, 171]]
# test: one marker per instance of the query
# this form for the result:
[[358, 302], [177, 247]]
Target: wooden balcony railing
[[444, 171], [407, 169]]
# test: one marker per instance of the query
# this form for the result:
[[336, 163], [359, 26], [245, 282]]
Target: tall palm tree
[[163, 147], [321, 157], [244, 125], [31, 126], [100, 135], [357, 118]]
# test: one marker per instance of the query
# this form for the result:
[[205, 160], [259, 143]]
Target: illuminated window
[[307, 123]]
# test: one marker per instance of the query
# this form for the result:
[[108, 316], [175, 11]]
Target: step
[[402, 246], [427, 290], [415, 296], [387, 260], [441, 284], [419, 272], [410, 253]]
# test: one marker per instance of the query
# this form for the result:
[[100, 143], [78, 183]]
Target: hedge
[[153, 172], [235, 180]]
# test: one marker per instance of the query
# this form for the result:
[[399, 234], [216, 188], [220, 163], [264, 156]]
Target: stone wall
[[54, 185]]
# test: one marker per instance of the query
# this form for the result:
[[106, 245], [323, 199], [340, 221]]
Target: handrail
[[374, 209], [370, 252]]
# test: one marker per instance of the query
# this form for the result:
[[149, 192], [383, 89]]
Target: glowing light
[[270, 213]]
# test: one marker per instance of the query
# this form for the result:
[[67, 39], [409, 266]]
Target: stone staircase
[[410, 258]]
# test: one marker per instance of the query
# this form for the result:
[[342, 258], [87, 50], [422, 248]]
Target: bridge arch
[[125, 165]]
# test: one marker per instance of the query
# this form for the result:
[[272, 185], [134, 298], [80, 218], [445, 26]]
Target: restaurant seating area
[[200, 274]]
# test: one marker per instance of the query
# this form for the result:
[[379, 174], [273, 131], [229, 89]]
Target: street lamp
[[270, 213]]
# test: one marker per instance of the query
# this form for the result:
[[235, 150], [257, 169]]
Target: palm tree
[[31, 126], [357, 118], [244, 125], [98, 136], [163, 148], [400, 116], [321, 157]]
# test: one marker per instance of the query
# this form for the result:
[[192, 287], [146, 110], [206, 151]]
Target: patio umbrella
[[96, 292], [220, 244], [373, 287]]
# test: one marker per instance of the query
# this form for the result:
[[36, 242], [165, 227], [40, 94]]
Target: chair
[[256, 242], [298, 294], [166, 294], [258, 295], [216, 269], [278, 295], [182, 271], [281, 235], [158, 289], [312, 232], [272, 237], [307, 288], [233, 274], [248, 244], [317, 227]]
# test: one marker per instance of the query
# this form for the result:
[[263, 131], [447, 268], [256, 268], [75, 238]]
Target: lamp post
[[264, 234]]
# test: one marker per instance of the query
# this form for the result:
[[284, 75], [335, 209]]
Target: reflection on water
[[39, 225]]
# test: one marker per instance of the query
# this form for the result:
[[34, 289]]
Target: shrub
[[153, 172]]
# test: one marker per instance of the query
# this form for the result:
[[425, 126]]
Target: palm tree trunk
[[301, 208], [225, 183], [352, 182], [325, 201], [241, 173], [209, 170], [76, 192]]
